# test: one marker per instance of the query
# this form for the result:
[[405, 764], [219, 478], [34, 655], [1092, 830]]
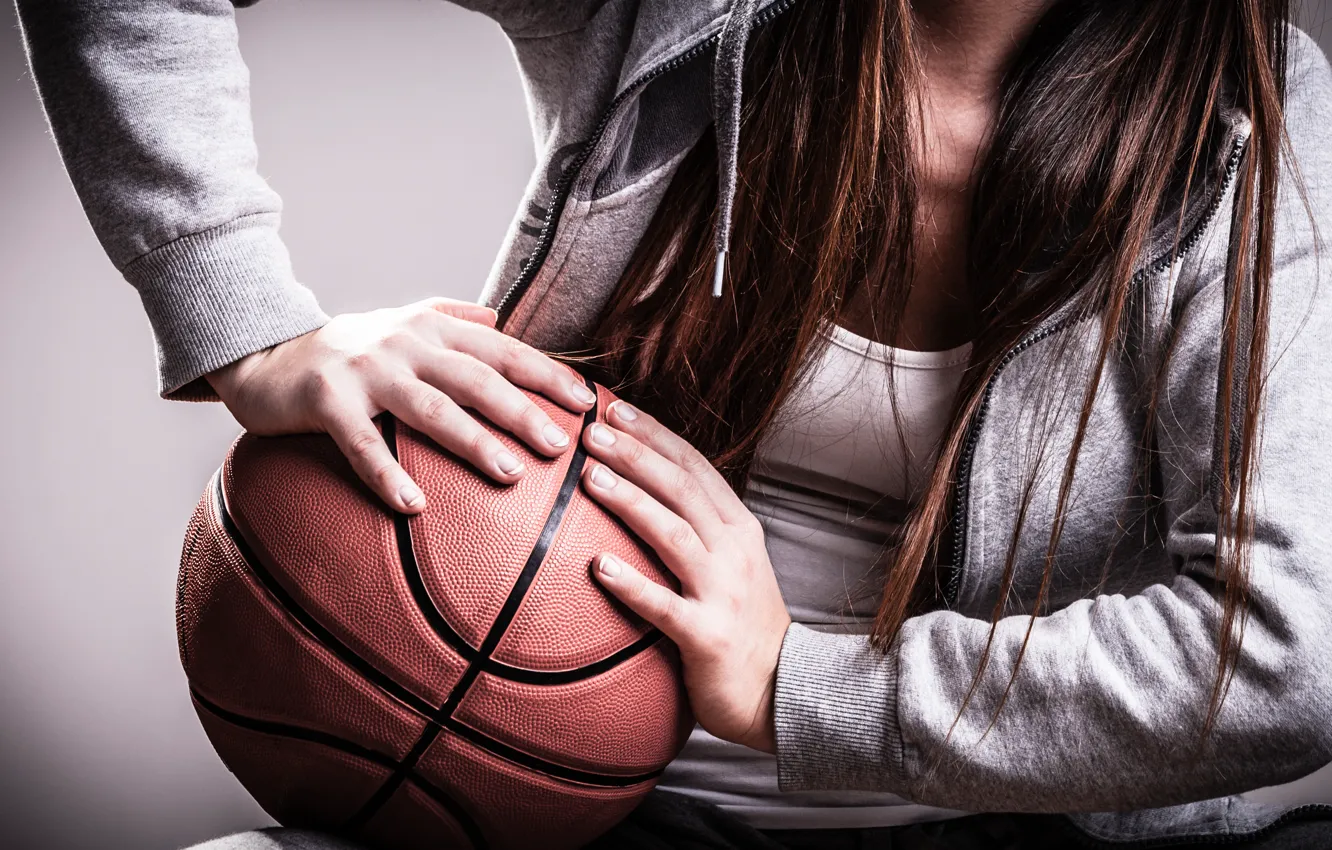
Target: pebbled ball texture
[[454, 679]]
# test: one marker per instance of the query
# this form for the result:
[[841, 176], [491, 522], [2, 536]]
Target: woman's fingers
[[668, 483], [439, 417], [465, 310], [660, 606], [472, 383], [438, 365], [519, 362], [364, 446], [669, 535], [678, 450]]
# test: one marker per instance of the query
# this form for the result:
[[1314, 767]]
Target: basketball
[[453, 679]]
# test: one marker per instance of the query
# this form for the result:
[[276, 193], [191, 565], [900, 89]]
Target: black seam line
[[285, 730], [479, 658], [401, 772], [306, 620], [349, 657], [387, 685], [476, 657], [568, 774], [563, 677], [545, 539], [411, 569]]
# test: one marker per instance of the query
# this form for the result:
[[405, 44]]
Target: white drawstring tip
[[718, 272]]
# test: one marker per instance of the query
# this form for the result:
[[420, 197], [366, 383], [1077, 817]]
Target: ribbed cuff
[[214, 297], [836, 714]]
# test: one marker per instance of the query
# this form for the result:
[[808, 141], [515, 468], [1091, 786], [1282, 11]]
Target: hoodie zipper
[[962, 491], [564, 186]]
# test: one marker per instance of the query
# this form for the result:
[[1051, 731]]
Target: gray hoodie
[[148, 100]]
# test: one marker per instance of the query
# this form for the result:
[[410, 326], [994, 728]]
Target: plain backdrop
[[396, 133]]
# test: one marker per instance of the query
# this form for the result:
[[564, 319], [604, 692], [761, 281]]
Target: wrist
[[763, 734], [227, 380]]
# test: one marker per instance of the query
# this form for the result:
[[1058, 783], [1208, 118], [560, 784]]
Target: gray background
[[396, 133]]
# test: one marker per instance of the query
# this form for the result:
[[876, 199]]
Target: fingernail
[[411, 495], [603, 477], [625, 410], [507, 463], [554, 435], [583, 394], [601, 435], [610, 566]]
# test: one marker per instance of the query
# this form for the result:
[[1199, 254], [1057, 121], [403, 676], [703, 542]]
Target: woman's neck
[[967, 46]]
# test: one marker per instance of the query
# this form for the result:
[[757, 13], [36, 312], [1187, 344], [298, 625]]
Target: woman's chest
[[836, 474]]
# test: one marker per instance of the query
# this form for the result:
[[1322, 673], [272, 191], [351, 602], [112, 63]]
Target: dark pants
[[667, 821]]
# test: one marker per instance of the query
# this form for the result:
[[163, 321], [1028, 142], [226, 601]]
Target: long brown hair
[[1106, 120]]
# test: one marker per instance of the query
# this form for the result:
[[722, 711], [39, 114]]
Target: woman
[[976, 357]]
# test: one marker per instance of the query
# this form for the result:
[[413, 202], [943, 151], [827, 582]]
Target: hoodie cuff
[[215, 296], [836, 714]]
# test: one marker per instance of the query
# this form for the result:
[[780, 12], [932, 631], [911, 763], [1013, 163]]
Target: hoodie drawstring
[[726, 72]]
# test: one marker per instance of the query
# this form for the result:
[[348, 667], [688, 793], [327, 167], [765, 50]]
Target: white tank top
[[831, 484]]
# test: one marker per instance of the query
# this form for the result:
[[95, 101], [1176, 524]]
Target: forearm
[[1104, 713]]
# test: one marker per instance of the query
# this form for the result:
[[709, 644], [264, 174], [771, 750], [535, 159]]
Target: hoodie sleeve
[[1105, 711], [148, 101]]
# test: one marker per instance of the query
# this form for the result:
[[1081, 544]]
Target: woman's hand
[[423, 363], [729, 619]]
